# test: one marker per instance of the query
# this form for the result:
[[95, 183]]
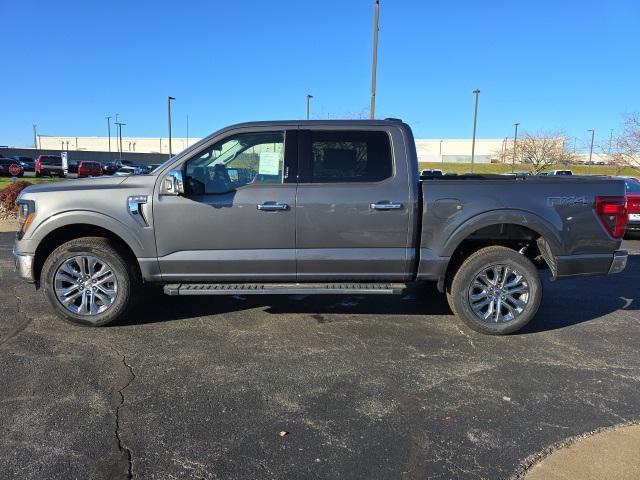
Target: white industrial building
[[429, 150]]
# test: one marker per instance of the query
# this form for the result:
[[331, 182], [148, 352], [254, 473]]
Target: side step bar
[[283, 288]]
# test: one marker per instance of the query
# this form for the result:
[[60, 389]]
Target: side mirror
[[173, 183]]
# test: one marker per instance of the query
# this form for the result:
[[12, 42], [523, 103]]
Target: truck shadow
[[565, 303]]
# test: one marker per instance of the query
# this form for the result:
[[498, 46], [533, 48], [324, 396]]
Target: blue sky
[[562, 64]]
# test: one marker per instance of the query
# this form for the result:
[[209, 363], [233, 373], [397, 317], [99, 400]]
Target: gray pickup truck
[[315, 207]]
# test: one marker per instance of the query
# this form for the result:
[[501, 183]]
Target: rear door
[[354, 208]]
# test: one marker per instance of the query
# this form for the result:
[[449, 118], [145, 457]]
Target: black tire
[[127, 277], [459, 289]]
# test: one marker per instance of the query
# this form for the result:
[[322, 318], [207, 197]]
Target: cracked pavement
[[366, 387]]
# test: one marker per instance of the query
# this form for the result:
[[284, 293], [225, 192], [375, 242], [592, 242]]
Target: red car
[[633, 205], [89, 169]]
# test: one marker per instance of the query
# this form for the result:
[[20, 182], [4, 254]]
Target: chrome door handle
[[270, 207], [386, 206]]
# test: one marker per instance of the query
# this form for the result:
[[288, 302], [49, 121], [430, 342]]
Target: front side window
[[243, 159], [350, 156]]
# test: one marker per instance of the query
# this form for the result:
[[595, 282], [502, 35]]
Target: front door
[[236, 218]]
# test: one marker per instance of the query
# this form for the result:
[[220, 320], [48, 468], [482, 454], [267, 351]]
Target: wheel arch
[[521, 231], [62, 234]]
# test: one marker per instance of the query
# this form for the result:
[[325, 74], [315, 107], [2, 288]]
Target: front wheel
[[89, 282], [495, 291]]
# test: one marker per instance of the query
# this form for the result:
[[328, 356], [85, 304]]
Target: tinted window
[[350, 156], [247, 158], [51, 160], [633, 186]]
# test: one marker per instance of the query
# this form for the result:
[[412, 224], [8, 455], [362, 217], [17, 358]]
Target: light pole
[[109, 133], [169, 112], [309, 97], [120, 125], [475, 122], [515, 143], [35, 136], [593, 133], [374, 62], [610, 140]]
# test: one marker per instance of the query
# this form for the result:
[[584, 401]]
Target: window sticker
[[269, 163]]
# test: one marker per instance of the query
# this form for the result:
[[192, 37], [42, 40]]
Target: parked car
[[560, 172], [153, 166], [49, 165], [633, 205], [10, 168], [430, 172], [337, 209], [89, 169], [110, 168], [27, 163], [72, 166], [131, 170]]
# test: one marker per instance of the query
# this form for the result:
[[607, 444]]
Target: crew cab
[[315, 207]]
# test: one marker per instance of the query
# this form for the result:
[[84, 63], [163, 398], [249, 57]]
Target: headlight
[[26, 212]]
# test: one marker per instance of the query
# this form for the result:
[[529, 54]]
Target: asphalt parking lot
[[384, 387]]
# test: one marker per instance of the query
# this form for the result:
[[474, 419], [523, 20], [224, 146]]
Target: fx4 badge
[[562, 201]]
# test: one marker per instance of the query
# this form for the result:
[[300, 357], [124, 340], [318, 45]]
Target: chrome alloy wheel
[[85, 285], [498, 294]]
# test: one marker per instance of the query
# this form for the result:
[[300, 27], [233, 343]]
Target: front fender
[[87, 217]]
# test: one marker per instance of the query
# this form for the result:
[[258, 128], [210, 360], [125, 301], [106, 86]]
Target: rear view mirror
[[173, 183]]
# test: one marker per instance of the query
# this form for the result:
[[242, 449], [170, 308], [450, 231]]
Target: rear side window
[[350, 156]]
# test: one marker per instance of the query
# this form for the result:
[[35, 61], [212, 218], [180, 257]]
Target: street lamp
[[120, 125], [309, 97], [475, 122], [593, 132], [35, 136], [169, 112], [109, 132], [515, 143], [374, 62]]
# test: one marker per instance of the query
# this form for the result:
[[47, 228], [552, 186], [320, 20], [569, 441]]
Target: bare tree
[[538, 150], [625, 150]]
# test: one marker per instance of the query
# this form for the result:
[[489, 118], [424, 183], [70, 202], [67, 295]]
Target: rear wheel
[[495, 291], [89, 282]]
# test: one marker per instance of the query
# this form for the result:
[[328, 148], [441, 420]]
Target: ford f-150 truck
[[315, 207]]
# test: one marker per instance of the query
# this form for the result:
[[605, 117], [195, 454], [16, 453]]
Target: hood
[[96, 183]]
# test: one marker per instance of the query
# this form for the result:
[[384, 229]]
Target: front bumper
[[592, 264], [24, 266]]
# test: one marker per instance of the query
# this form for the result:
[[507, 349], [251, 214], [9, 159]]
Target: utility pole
[[109, 133], [475, 122], [374, 63], [309, 97], [169, 112], [35, 136], [593, 133], [515, 143]]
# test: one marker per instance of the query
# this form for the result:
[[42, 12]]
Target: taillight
[[633, 204], [612, 212]]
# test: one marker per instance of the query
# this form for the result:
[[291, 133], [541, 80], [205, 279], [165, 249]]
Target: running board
[[283, 288]]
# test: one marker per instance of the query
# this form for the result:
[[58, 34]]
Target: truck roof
[[312, 123]]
